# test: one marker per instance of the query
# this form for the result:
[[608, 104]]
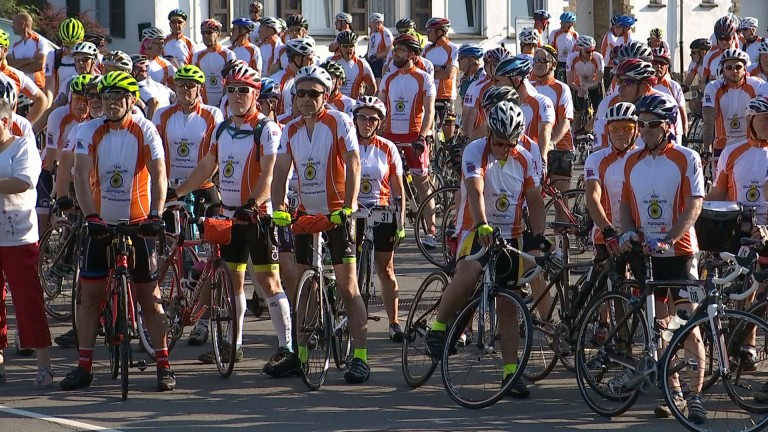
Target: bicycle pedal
[[374, 318], [142, 365]]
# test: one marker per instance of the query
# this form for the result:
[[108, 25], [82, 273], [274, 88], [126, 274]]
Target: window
[[536, 5], [117, 18], [73, 7], [465, 15], [288, 7], [361, 10], [219, 9], [421, 11], [102, 14]]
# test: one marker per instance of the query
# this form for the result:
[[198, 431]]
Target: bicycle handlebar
[[737, 271], [173, 204], [502, 244]]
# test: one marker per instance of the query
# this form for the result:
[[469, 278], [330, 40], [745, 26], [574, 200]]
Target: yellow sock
[[438, 326], [303, 353], [510, 369], [362, 354]]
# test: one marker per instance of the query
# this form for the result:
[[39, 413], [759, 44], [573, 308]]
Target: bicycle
[[365, 269], [446, 212], [571, 204]]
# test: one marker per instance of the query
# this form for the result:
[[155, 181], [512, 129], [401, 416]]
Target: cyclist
[[268, 98], [619, 34], [661, 198], [24, 85], [545, 64], [342, 22], [244, 158], [322, 147], [540, 23], [473, 117], [634, 49], [381, 176], [444, 55], [59, 64], [297, 28], [563, 40], [380, 42], [337, 100], [29, 51], [529, 39], [664, 83], [727, 38], [497, 175], [270, 43], [300, 53], [699, 48], [211, 59], [470, 66], [152, 45], [409, 95], [408, 26], [153, 94], [85, 55], [759, 68], [751, 41], [117, 60], [584, 74], [359, 76], [656, 39], [176, 44], [124, 155], [419, 61], [241, 43]]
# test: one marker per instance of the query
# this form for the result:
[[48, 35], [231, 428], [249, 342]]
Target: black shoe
[[77, 378], [358, 371], [395, 333], [518, 389], [282, 364], [166, 380], [434, 343], [67, 340]]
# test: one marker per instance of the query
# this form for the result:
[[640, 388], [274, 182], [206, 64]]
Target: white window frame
[[477, 29]]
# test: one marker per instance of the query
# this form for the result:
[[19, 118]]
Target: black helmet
[[346, 37], [701, 44], [296, 21]]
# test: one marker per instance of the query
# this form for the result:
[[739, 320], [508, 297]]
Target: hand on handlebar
[[484, 234], [656, 246], [150, 227], [420, 145], [611, 237], [247, 212], [626, 239], [281, 218], [65, 203], [171, 195], [96, 226], [542, 242]]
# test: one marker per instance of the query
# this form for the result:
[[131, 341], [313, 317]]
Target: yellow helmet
[[5, 41], [79, 84], [190, 72], [71, 31], [118, 80]]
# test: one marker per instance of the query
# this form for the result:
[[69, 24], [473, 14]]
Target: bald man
[[28, 54]]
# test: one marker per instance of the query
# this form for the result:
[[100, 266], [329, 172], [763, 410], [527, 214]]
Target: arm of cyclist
[[708, 125], [35, 114], [396, 183], [537, 215], [446, 73], [352, 180], [261, 192], [159, 179], [628, 227], [545, 139], [83, 167], [594, 193], [280, 172], [64, 173], [468, 119], [202, 172], [687, 218], [719, 191], [474, 187], [561, 127], [429, 116]]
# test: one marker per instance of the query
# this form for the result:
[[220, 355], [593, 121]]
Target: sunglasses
[[83, 60], [92, 96], [541, 60], [725, 38], [240, 90], [113, 96], [736, 67], [621, 128], [496, 143], [366, 118], [651, 124], [190, 85], [312, 93], [659, 63], [628, 82]]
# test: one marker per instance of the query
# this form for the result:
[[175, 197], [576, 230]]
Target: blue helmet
[[471, 50], [568, 17], [244, 22], [626, 21], [659, 106], [514, 67], [269, 89]]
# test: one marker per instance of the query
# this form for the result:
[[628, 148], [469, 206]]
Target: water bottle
[[197, 270], [675, 323]]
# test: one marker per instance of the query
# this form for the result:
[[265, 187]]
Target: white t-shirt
[[18, 223], [63, 74]]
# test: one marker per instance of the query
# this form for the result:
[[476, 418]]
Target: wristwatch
[[154, 213]]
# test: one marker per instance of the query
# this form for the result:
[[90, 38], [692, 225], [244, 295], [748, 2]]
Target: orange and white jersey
[[151, 89], [742, 170], [357, 72], [180, 47], [601, 132], [443, 54], [729, 103], [211, 62], [270, 52], [22, 127], [379, 41], [162, 71], [342, 103], [560, 95], [610, 40], [404, 92], [60, 123], [239, 160], [696, 69], [186, 137], [656, 189], [504, 186], [533, 148], [120, 177], [585, 71], [756, 70], [473, 98], [564, 42], [419, 62], [249, 53], [31, 48], [537, 109], [672, 88], [24, 85], [319, 159], [712, 61], [62, 75], [379, 161], [284, 79], [606, 166]]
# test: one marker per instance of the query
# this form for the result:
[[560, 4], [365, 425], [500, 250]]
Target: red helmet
[[725, 27], [211, 24], [409, 42], [636, 69], [244, 75], [437, 23]]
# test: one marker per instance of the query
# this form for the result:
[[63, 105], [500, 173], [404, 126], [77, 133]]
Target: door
[[585, 18]]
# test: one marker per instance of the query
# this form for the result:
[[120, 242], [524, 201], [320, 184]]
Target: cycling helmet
[[376, 17], [657, 33], [297, 21], [300, 47], [335, 70], [497, 54], [86, 49], [549, 49], [615, 20], [371, 102], [93, 84], [118, 59], [244, 22], [256, 6], [586, 42], [748, 23], [528, 35], [471, 50], [701, 44], [626, 21], [435, 23], [71, 31], [541, 15], [79, 84], [757, 105], [139, 60], [725, 27], [346, 37], [231, 64], [97, 39], [8, 91], [269, 89], [177, 13], [283, 25], [5, 40], [191, 73], [496, 94], [659, 106], [636, 69], [661, 53], [409, 42], [211, 24], [119, 80], [343, 16], [568, 17], [734, 54], [405, 24], [514, 67], [621, 111], [152, 33], [635, 49], [272, 23], [243, 74], [763, 47], [506, 120], [315, 73]]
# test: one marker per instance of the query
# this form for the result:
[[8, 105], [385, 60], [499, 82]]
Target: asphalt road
[[250, 400]]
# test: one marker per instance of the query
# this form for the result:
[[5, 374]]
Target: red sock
[[162, 358], [86, 359]]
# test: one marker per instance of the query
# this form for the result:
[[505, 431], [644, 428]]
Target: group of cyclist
[[237, 127]]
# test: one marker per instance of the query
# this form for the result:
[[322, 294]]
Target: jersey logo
[[502, 203], [183, 149], [229, 169], [400, 105], [654, 209], [753, 194], [470, 167], [365, 186], [116, 180], [590, 172], [309, 171], [708, 99]]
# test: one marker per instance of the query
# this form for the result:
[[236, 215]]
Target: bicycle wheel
[[223, 319], [605, 361], [574, 205], [342, 341], [169, 287], [473, 375], [445, 226], [737, 400], [124, 334], [364, 271], [110, 332], [313, 329], [417, 365], [544, 353], [56, 268]]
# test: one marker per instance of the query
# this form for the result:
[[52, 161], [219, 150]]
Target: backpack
[[256, 131], [57, 55]]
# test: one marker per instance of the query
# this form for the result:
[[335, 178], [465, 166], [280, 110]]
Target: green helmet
[[71, 31], [119, 80], [79, 84], [190, 72], [335, 70], [5, 41]]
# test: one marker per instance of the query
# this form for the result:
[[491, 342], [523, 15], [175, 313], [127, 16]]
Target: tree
[[47, 23]]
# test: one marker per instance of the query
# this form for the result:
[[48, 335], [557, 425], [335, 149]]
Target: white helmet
[[272, 23], [376, 17], [317, 74], [735, 54], [8, 91], [747, 23], [621, 111], [302, 46], [528, 35], [85, 48], [763, 47], [373, 103], [585, 42], [118, 59], [343, 16], [152, 33], [506, 120]]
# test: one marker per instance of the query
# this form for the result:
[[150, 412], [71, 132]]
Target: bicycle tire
[[445, 210], [170, 284], [364, 272], [544, 354], [456, 367], [109, 334], [576, 212], [124, 334], [313, 329], [593, 357], [340, 336], [417, 365], [57, 285], [223, 319]]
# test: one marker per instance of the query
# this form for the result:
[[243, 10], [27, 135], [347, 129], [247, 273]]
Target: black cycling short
[[44, 192], [377, 67], [340, 242], [383, 235], [284, 240], [595, 96], [672, 268], [443, 107], [250, 239], [94, 264]]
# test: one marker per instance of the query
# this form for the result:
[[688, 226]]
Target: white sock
[[240, 311], [280, 313]]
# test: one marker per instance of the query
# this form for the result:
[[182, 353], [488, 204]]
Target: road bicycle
[[368, 218], [59, 264]]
